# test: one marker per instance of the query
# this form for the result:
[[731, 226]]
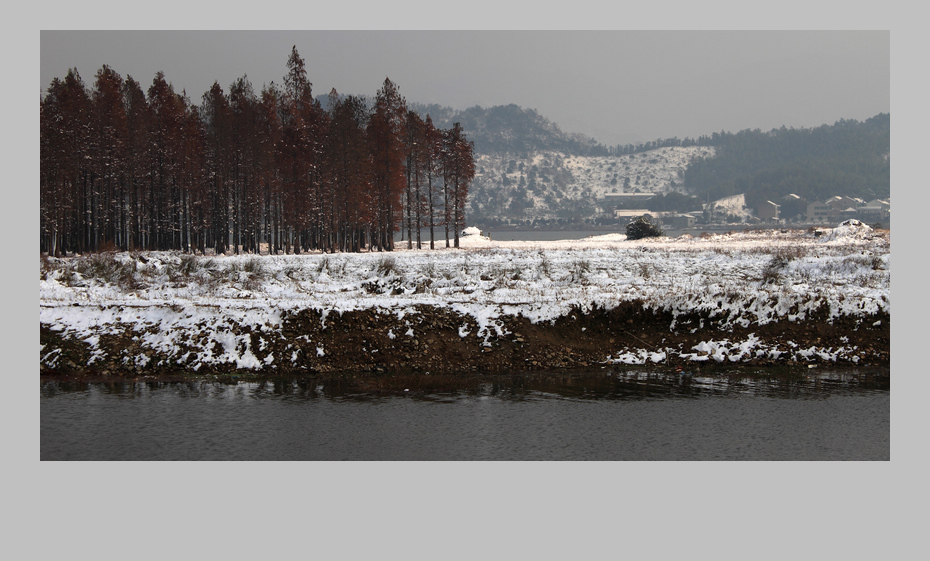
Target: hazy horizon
[[618, 87]]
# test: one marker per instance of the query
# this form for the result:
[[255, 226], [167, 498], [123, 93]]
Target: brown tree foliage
[[126, 168]]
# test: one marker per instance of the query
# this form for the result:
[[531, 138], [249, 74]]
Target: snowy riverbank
[[769, 296]]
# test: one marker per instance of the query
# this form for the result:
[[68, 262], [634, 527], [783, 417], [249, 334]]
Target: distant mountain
[[511, 129], [531, 173]]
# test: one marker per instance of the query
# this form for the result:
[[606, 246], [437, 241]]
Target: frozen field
[[749, 278]]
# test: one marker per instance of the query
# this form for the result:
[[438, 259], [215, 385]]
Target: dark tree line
[[624, 149], [127, 169], [847, 158]]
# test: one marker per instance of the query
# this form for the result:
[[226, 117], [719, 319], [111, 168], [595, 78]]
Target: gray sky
[[616, 86]]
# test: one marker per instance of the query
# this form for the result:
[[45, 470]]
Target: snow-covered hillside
[[657, 171], [553, 185]]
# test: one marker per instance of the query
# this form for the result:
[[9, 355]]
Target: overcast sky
[[616, 86]]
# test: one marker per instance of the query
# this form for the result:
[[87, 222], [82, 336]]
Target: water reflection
[[623, 415], [622, 385]]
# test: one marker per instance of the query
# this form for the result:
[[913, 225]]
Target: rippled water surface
[[628, 416]]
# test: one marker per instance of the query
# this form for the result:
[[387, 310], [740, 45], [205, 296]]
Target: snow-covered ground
[[750, 278]]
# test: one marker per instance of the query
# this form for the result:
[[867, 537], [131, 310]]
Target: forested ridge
[[532, 173], [850, 158], [122, 168], [511, 129]]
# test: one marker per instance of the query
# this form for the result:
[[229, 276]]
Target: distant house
[[791, 207], [841, 203], [630, 213], [821, 212], [768, 211], [849, 213], [679, 221], [839, 208], [876, 210], [621, 199]]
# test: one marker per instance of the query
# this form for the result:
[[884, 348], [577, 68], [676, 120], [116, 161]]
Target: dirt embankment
[[429, 341]]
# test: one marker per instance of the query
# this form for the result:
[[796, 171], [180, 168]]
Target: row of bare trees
[[126, 169]]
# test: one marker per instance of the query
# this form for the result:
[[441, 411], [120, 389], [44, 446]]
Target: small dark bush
[[643, 227], [254, 266], [106, 268], [188, 265], [386, 267], [771, 272], [46, 266]]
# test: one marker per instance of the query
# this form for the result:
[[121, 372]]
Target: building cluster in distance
[[835, 209]]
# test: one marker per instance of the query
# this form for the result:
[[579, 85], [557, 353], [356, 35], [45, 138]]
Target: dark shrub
[[642, 227]]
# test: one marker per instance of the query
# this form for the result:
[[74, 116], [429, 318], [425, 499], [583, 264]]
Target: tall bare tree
[[458, 165], [386, 131]]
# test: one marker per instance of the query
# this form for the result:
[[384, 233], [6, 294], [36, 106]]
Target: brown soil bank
[[429, 341]]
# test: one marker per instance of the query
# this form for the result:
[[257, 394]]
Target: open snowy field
[[744, 279]]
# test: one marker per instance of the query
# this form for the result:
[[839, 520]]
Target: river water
[[620, 416]]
